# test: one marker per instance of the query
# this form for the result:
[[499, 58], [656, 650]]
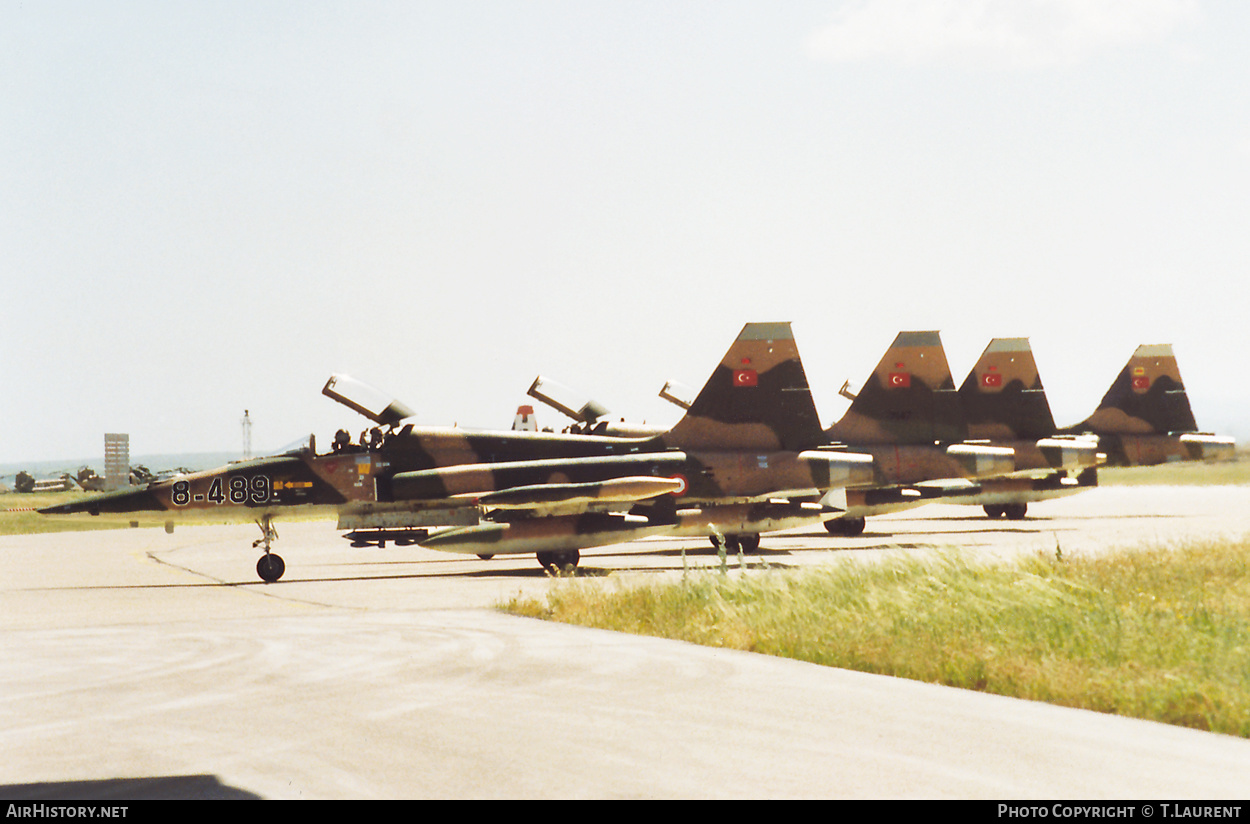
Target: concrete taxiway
[[138, 663]]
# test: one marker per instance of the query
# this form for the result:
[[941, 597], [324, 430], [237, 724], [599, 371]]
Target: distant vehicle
[[26, 483], [89, 480]]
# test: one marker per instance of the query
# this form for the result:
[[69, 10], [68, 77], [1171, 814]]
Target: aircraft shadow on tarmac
[[159, 788], [1044, 519], [765, 557]]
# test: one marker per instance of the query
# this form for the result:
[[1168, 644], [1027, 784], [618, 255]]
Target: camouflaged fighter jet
[[1004, 402], [909, 417], [914, 424], [747, 457], [1145, 418]]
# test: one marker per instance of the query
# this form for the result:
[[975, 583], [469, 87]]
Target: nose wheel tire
[[270, 567]]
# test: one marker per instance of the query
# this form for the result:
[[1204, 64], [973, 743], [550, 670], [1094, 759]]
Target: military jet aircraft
[[909, 419], [908, 416], [747, 457], [1144, 419], [751, 460], [1003, 401]]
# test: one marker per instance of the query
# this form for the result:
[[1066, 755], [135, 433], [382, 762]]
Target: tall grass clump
[[1158, 633]]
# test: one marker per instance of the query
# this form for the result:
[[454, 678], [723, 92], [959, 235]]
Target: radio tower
[[247, 436]]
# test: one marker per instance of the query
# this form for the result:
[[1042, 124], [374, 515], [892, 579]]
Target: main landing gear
[[560, 561], [270, 566], [846, 527], [744, 542], [1014, 512]]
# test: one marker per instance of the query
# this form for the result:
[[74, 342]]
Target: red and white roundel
[[681, 490]]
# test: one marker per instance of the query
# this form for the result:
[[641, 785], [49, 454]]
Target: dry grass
[[1162, 634], [1188, 473]]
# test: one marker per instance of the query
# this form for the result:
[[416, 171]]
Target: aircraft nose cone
[[139, 500]]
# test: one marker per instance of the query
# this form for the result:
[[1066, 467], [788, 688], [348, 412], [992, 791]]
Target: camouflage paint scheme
[[749, 456], [751, 436], [1004, 401], [907, 416], [1145, 418]]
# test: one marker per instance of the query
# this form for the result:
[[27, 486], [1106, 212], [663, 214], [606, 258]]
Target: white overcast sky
[[212, 206]]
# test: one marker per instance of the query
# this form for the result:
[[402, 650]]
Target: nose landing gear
[[270, 566]]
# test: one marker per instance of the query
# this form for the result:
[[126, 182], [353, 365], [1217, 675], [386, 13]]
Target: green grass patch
[[1235, 471], [1155, 633]]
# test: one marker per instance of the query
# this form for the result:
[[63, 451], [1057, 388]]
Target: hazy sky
[[212, 206]]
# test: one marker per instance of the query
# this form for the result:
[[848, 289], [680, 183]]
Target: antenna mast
[[247, 436]]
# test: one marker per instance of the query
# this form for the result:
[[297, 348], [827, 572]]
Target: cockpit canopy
[[369, 401]]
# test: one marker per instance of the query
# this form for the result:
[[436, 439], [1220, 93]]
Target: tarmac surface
[[142, 664]]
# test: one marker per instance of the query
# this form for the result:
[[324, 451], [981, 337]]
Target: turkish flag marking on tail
[[899, 380], [992, 379], [746, 377], [1141, 382]]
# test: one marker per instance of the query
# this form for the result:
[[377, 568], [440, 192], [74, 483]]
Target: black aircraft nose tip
[[141, 500], [75, 508], [63, 509], [79, 508]]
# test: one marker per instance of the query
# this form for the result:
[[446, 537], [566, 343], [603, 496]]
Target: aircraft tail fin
[[757, 398], [909, 398], [1002, 398], [1147, 397]]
